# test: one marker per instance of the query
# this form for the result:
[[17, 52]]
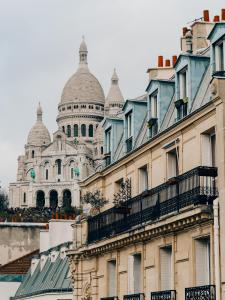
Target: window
[[134, 274], [101, 150], [63, 129], [143, 178], [208, 149], [75, 130], [183, 83], [24, 198], [165, 267], [112, 278], [219, 56], [68, 130], [59, 166], [118, 185], [76, 106], [83, 130], [129, 124], [90, 130], [108, 140], [154, 106], [182, 103], [32, 154], [71, 173], [46, 174], [172, 163], [202, 261]]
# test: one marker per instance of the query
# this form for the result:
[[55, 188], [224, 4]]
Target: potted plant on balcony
[[95, 199], [120, 198]]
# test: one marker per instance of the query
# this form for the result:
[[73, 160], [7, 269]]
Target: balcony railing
[[197, 186], [206, 292], [139, 296], [164, 295], [109, 298], [129, 143]]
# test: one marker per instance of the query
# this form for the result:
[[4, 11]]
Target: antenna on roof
[[195, 20]]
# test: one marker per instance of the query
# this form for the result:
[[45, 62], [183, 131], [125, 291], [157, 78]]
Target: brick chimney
[[160, 61], [206, 15]]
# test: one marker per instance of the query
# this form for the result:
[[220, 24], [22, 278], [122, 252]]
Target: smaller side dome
[[39, 134]]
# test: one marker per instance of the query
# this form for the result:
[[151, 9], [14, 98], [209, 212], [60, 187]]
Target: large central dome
[[83, 86]]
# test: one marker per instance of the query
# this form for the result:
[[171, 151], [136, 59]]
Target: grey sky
[[39, 42]]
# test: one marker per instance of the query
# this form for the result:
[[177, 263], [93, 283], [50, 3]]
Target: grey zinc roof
[[54, 277]]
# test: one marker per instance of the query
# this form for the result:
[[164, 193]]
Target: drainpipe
[[216, 247]]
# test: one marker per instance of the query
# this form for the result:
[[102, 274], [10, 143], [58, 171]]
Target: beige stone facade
[[168, 239]]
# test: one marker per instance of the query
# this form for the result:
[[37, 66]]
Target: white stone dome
[[83, 86], [39, 134]]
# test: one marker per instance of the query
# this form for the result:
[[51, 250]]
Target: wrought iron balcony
[[139, 296], [197, 186], [205, 292], [109, 298], [129, 143], [164, 295]]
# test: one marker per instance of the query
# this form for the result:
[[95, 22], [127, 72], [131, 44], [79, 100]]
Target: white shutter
[[130, 274], [137, 273], [202, 261], [112, 278], [165, 267]]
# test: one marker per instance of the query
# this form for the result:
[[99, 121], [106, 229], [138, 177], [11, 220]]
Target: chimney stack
[[206, 15], [185, 30], [216, 19], [174, 59], [223, 14], [167, 63], [160, 61]]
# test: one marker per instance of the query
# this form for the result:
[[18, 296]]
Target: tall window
[[32, 154], [219, 56], [173, 163], [165, 267], [83, 130], [75, 130], [63, 129], [108, 140], [143, 178], [59, 166], [134, 274], [202, 261], [90, 130], [71, 173], [68, 130], [154, 106], [208, 149], [129, 124], [183, 83], [46, 174], [112, 278], [24, 198]]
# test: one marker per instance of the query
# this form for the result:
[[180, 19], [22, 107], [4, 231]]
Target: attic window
[[154, 105], [220, 55], [108, 140], [183, 83]]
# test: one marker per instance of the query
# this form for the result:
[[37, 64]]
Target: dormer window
[[108, 146], [182, 103], [220, 56], [153, 120], [129, 131]]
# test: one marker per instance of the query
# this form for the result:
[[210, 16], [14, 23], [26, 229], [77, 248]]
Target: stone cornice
[[170, 225]]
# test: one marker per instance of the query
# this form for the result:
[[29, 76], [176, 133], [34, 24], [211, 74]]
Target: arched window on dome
[[32, 154], [90, 130], [24, 198], [46, 174], [68, 130], [101, 149], [63, 129], [75, 130], [83, 130]]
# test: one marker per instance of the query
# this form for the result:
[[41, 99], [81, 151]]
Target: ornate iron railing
[[129, 143], [139, 296], [197, 186], [205, 292], [109, 298], [164, 295]]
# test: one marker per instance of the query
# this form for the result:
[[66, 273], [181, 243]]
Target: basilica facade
[[49, 171]]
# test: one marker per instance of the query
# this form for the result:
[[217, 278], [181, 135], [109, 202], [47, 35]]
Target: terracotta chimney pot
[[216, 19], [174, 59], [206, 15], [223, 14], [160, 61], [167, 63]]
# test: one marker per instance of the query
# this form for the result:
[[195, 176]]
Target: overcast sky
[[39, 42]]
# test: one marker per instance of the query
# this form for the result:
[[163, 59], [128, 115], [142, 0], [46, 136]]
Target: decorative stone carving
[[213, 88], [73, 269], [86, 294]]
